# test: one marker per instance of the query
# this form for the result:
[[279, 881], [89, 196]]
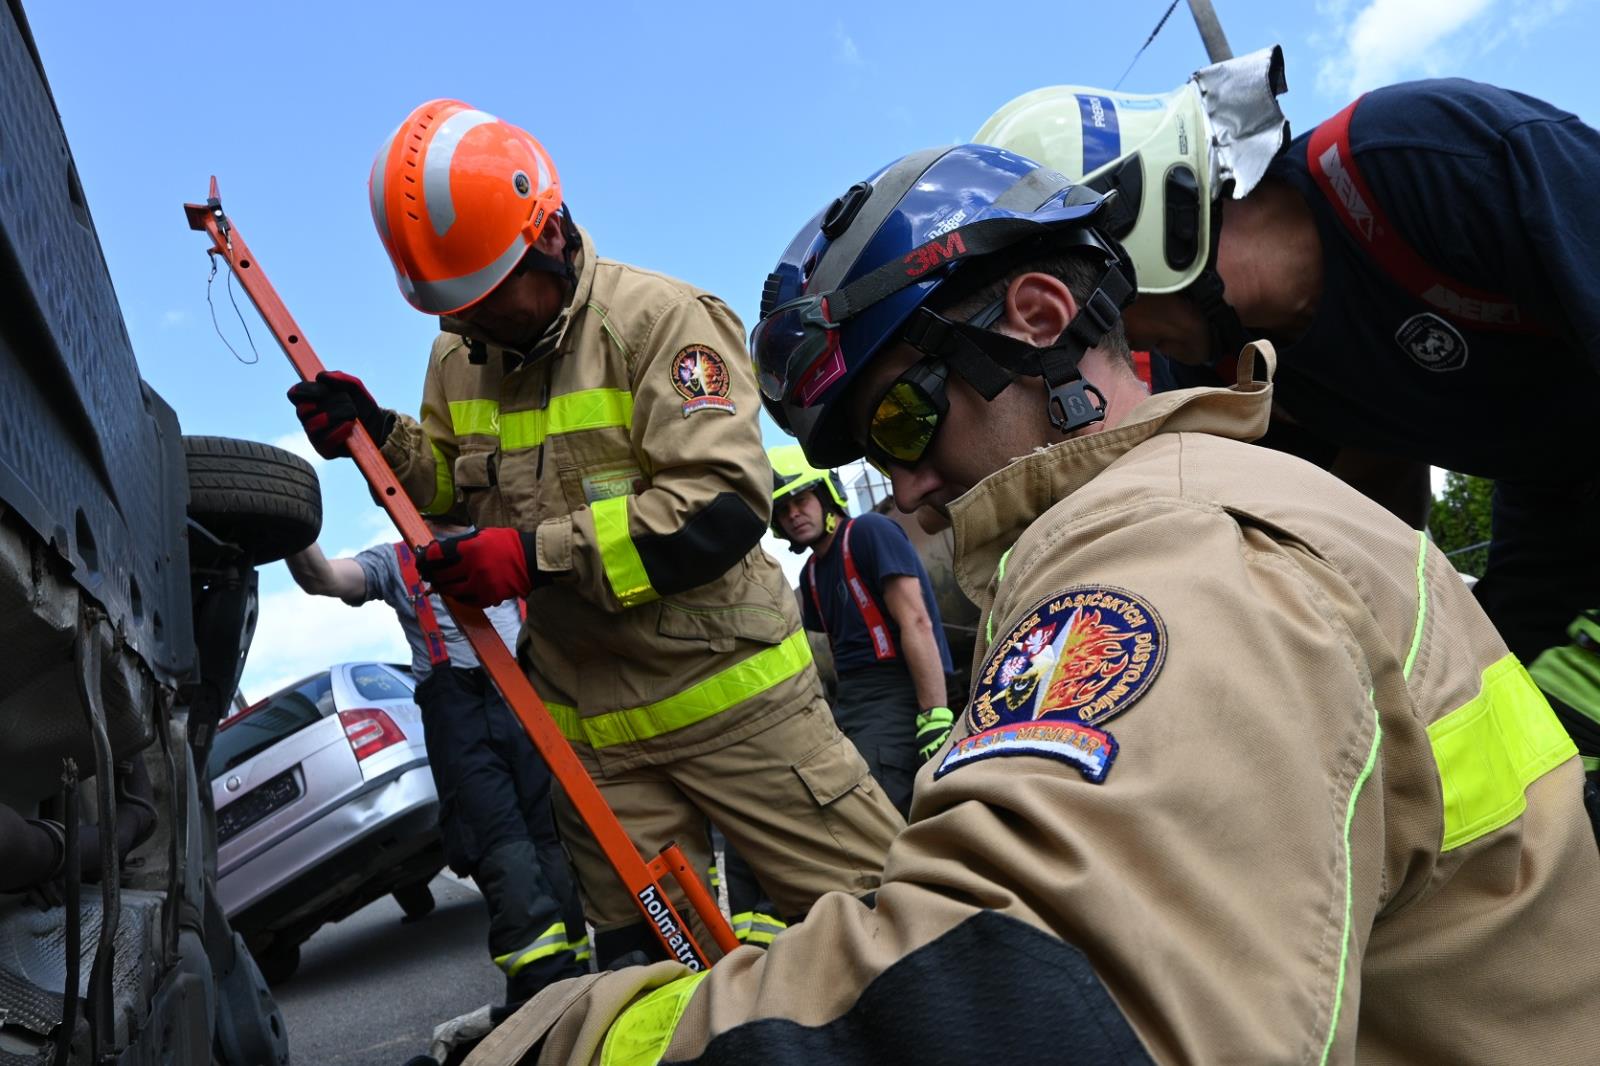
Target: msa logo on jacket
[[1076, 660], [701, 378], [1432, 343]]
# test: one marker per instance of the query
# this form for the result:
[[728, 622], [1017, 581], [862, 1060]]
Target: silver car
[[324, 803]]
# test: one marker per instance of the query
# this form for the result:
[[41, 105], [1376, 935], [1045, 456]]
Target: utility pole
[[1206, 21]]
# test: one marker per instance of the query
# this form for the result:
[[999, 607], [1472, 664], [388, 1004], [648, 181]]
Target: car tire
[[278, 964], [264, 499], [415, 900]]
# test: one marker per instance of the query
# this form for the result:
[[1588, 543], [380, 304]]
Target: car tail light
[[369, 731]]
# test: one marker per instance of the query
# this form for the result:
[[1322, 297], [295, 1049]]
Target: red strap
[[1333, 165], [427, 621], [1141, 367], [816, 600], [882, 642]]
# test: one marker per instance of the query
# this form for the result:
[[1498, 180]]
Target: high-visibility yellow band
[[999, 576], [728, 688], [1422, 603], [444, 485], [641, 1034], [753, 927], [567, 720], [569, 413], [1491, 749], [552, 941], [475, 418], [624, 568]]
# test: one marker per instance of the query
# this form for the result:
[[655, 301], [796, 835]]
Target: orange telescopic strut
[[643, 880]]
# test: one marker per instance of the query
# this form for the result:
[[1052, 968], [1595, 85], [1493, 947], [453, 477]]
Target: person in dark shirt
[[494, 788], [865, 588], [1428, 266]]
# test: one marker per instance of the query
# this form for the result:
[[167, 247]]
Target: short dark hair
[[964, 297]]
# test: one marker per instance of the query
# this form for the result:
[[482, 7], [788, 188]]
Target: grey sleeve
[[383, 576]]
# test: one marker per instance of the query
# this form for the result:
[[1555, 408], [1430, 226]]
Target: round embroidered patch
[[701, 378], [1083, 655]]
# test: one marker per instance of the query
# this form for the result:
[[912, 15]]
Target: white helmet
[[1169, 155]]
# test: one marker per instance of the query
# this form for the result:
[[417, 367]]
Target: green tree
[[1459, 519]]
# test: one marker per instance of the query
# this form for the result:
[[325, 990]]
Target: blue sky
[[691, 138]]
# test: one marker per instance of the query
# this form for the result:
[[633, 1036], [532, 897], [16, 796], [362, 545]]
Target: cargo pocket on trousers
[[830, 774]]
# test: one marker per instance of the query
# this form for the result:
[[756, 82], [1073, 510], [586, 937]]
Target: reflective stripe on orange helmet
[[458, 196]]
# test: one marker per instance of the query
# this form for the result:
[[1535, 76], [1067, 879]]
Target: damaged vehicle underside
[[127, 603]]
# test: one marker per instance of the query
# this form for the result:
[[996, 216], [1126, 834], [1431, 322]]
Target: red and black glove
[[483, 567], [330, 407]]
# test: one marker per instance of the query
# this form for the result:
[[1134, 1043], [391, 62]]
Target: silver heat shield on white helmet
[[1248, 128]]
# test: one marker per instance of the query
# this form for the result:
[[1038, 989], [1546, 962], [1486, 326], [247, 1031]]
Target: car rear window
[[374, 681], [257, 729]]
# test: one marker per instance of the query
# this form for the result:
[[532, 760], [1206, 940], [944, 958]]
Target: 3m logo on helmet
[[935, 253]]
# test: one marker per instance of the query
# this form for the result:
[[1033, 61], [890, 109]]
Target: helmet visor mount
[[796, 346]]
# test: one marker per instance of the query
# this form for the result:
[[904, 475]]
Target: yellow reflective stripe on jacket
[[1491, 749], [572, 412], [641, 1034], [444, 490], [727, 688], [552, 941], [624, 568], [475, 418], [566, 719], [754, 927]]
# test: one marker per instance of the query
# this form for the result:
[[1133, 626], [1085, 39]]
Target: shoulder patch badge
[[1432, 342], [701, 378], [1083, 656], [1089, 750]]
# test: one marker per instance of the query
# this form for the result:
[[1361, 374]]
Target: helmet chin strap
[[989, 361], [563, 265]]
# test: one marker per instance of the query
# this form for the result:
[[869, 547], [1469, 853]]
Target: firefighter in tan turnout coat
[[1246, 775], [598, 423]]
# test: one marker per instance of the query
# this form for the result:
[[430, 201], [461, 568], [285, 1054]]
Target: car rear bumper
[[398, 805]]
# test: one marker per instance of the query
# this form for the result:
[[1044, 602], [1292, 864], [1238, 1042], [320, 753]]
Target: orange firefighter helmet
[[458, 197]]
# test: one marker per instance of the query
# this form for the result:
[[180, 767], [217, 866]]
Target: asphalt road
[[369, 989]]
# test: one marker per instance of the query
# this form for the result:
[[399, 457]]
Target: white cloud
[[298, 443], [170, 319], [844, 47], [375, 527], [1383, 41], [298, 634]]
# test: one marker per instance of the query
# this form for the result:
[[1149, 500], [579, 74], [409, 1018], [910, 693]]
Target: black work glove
[[330, 407]]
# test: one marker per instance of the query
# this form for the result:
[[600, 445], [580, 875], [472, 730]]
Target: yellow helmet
[[791, 474]]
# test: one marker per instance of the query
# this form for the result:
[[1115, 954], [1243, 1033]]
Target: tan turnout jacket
[[1334, 820], [630, 442]]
